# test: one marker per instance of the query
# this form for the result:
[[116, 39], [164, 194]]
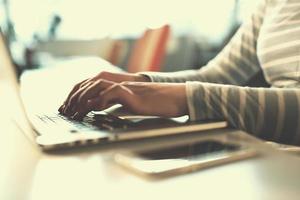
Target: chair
[[148, 52]]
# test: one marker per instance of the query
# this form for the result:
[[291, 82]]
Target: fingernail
[[61, 108]]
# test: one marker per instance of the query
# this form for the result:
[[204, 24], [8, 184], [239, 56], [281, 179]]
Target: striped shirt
[[269, 42]]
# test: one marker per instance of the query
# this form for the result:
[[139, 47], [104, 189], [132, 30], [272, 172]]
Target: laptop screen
[[8, 39], [5, 55], [8, 74]]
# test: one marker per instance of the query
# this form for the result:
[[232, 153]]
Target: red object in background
[[116, 52], [148, 51]]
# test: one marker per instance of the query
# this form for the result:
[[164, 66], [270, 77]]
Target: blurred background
[[181, 34]]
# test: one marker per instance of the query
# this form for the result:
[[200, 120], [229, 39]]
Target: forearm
[[173, 77], [269, 113]]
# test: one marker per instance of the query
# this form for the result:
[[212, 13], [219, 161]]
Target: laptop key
[[61, 121]]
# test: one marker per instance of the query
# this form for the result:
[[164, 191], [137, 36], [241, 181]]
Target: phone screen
[[189, 151]]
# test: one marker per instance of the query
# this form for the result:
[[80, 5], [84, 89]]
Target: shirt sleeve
[[236, 64], [268, 113]]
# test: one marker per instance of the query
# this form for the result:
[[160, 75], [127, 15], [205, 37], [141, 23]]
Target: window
[[86, 19]]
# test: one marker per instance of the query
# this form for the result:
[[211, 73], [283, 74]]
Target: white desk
[[28, 173]]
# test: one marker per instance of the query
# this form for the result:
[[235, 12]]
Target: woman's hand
[[159, 99], [109, 76]]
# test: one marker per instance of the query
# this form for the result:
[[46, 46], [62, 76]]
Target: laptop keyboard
[[90, 122]]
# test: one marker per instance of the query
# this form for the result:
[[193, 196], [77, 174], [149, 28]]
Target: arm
[[236, 64], [269, 113]]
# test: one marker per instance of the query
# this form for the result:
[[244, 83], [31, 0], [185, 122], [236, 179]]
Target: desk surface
[[28, 173]]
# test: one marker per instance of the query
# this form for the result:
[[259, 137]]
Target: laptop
[[54, 131]]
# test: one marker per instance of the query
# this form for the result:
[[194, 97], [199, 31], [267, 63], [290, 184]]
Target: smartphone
[[183, 158]]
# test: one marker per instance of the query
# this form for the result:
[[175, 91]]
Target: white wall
[[89, 19]]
